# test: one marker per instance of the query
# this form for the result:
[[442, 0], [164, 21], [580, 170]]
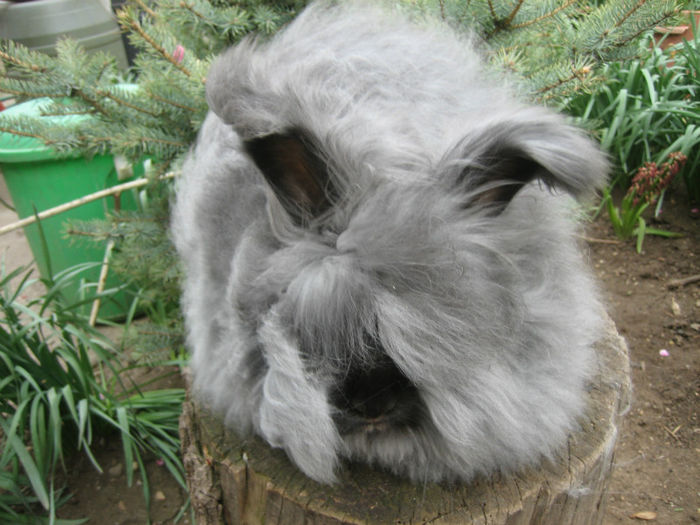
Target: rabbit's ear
[[493, 164], [294, 171]]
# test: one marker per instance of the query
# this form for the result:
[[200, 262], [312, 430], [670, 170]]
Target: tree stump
[[244, 481]]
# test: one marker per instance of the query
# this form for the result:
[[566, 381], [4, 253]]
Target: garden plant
[[64, 387], [646, 114]]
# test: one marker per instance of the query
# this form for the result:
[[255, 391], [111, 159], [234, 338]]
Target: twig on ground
[[598, 241], [679, 283], [673, 432]]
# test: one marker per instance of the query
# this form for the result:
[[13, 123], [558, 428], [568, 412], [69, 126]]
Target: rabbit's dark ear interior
[[498, 175], [494, 164], [296, 174]]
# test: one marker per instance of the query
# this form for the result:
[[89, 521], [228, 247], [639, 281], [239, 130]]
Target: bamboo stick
[[101, 282], [114, 190]]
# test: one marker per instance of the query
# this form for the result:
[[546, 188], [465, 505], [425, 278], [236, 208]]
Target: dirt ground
[[656, 459], [657, 469]]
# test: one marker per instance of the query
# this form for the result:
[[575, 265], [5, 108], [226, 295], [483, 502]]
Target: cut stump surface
[[244, 481]]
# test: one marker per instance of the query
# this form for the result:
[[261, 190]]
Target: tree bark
[[236, 481]]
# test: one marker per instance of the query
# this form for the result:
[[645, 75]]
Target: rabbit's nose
[[379, 392], [375, 401]]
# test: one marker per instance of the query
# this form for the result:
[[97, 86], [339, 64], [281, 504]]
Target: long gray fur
[[473, 287]]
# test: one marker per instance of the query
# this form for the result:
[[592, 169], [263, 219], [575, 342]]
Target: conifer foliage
[[554, 47]]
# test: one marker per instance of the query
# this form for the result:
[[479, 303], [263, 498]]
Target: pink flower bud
[[664, 353], [179, 53]]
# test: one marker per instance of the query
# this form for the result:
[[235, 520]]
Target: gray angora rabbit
[[380, 264]]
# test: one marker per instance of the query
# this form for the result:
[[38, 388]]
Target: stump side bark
[[243, 481]]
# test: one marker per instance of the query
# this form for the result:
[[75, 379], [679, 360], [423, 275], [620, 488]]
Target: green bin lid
[[18, 148]]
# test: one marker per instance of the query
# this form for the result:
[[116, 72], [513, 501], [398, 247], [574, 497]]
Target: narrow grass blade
[[44, 244], [641, 229], [55, 429], [611, 132], [11, 429], [127, 442], [30, 469], [662, 233], [37, 432]]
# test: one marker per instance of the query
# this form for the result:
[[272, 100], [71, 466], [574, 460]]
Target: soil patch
[[657, 453]]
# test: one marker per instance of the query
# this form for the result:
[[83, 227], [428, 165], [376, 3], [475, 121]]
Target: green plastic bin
[[38, 178]]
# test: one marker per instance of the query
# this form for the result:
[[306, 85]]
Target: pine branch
[[90, 101], [146, 9], [575, 74], [634, 36], [544, 16], [78, 232], [615, 25], [173, 143], [134, 25], [630, 13], [493, 12], [196, 13], [19, 133], [29, 94], [17, 62], [123, 102], [513, 13], [172, 103]]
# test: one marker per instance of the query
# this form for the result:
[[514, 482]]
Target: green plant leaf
[[37, 432], [662, 233], [127, 443], [55, 428], [640, 234], [84, 427], [620, 108], [30, 468], [44, 245], [15, 424]]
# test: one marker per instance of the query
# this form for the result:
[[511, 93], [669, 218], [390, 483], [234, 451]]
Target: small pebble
[[675, 307], [664, 353]]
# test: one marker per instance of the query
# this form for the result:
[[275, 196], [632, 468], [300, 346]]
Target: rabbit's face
[[379, 264], [398, 305]]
